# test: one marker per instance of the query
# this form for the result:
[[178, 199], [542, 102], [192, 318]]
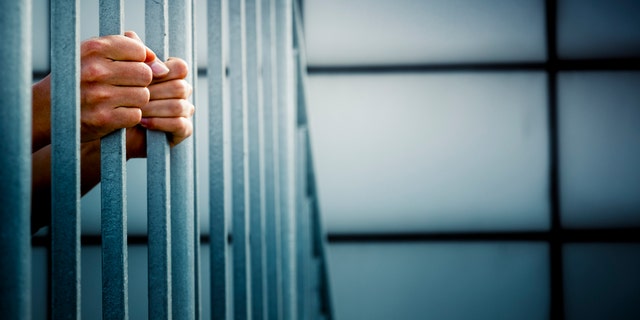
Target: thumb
[[158, 68]]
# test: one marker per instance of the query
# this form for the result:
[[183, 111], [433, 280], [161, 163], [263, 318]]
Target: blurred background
[[474, 159]]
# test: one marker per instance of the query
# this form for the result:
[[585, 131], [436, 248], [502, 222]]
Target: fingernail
[[144, 122], [159, 68]]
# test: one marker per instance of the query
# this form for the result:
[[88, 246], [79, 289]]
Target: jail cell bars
[[15, 163], [275, 236]]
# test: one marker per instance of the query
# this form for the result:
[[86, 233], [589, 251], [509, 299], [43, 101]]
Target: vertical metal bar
[[318, 240], [255, 166], [270, 182], [557, 310], [305, 262], [15, 162], [238, 99], [303, 228], [65, 159], [158, 183], [113, 183], [196, 188], [182, 207], [217, 221], [286, 136]]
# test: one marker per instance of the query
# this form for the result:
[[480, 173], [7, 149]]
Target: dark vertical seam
[[556, 296]]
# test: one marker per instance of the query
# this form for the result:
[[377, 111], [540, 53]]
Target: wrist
[[41, 111]]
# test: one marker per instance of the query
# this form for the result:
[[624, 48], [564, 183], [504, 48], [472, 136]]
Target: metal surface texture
[[239, 174], [255, 161], [158, 183], [182, 205], [272, 225], [15, 163], [196, 188], [217, 221], [65, 159], [115, 291], [303, 228], [286, 135]]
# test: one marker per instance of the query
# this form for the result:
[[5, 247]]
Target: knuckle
[[94, 46], [94, 72], [183, 89], [101, 119], [191, 109], [144, 97], [186, 126], [187, 89], [96, 95], [185, 108], [134, 117], [137, 97], [146, 74]]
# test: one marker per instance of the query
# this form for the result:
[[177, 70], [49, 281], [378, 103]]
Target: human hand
[[168, 110], [115, 73]]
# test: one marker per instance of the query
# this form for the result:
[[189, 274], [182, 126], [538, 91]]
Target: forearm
[[41, 108], [41, 182]]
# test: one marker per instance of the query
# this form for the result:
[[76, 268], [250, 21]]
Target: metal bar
[[556, 282], [270, 153], [182, 206], [65, 159], [115, 293], [319, 240], [286, 136], [217, 221], [158, 183], [255, 166], [15, 163], [196, 187], [238, 99], [307, 296], [303, 249]]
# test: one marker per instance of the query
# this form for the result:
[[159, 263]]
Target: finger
[[123, 117], [150, 55], [115, 47], [158, 67], [178, 69], [170, 108], [120, 73], [160, 70], [96, 124], [178, 128], [176, 89], [132, 35], [109, 97]]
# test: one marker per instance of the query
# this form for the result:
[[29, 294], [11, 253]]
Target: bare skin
[[123, 85]]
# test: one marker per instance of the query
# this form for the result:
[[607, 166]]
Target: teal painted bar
[[272, 225], [182, 183], [196, 187], [15, 162], [182, 205], [158, 183], [115, 289], [255, 161], [65, 160], [286, 115], [217, 203], [239, 174]]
